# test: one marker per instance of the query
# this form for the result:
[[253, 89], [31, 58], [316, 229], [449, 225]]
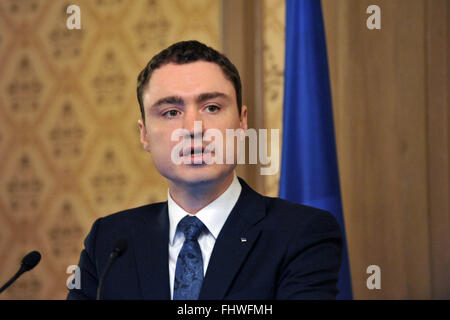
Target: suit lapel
[[235, 241], [150, 234]]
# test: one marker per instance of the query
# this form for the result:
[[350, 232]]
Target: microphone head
[[31, 260], [120, 247]]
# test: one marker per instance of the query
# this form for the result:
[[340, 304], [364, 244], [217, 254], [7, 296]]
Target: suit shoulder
[[282, 206], [291, 213], [141, 211]]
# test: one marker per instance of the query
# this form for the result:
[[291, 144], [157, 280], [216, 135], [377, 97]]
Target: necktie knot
[[191, 227]]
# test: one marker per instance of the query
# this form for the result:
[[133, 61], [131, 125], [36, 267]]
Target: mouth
[[196, 155], [192, 151]]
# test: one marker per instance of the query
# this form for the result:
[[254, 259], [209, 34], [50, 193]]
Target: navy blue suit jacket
[[291, 252]]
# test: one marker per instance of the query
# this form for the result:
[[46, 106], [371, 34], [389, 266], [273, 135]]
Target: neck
[[193, 198]]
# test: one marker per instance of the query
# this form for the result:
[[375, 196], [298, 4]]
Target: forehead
[[189, 79]]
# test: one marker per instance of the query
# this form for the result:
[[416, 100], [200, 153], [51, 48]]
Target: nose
[[193, 122]]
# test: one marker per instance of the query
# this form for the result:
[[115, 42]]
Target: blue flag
[[309, 168]]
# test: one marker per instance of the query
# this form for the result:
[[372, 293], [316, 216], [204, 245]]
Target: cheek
[[159, 140], [228, 120], [158, 130]]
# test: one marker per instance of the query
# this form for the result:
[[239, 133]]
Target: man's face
[[175, 97]]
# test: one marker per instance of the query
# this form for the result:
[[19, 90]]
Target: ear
[[143, 135], [243, 121]]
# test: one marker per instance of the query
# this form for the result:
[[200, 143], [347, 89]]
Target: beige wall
[[69, 149]]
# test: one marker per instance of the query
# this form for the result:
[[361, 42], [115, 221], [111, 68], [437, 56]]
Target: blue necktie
[[189, 269]]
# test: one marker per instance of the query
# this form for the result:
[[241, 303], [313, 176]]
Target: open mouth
[[191, 151], [196, 155]]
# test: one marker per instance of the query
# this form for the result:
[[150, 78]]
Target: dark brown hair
[[187, 52]]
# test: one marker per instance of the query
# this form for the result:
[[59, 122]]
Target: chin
[[198, 174]]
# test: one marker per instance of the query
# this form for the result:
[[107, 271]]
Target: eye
[[171, 113], [212, 108]]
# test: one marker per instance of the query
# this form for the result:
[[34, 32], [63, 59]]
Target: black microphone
[[28, 262], [118, 250]]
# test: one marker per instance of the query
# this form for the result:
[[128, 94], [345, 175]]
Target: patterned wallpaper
[[273, 76], [69, 144]]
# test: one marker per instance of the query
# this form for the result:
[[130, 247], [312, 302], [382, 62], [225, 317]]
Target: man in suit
[[215, 237]]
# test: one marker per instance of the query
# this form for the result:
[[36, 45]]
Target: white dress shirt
[[213, 217]]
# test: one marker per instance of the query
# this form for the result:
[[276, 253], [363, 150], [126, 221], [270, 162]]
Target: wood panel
[[380, 103], [241, 42], [391, 115], [438, 144]]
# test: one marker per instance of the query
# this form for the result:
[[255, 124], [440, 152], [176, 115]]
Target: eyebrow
[[177, 100], [210, 95], [168, 100]]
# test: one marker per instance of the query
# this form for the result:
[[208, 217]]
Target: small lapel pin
[[243, 239]]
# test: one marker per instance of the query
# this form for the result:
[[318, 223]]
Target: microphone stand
[[14, 278], [101, 285]]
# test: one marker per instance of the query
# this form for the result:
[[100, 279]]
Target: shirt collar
[[213, 215]]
